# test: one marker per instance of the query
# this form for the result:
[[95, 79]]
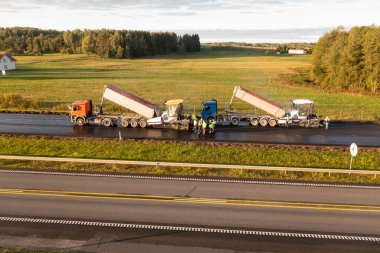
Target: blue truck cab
[[209, 109]]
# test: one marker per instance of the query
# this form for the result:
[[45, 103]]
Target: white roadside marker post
[[353, 152]]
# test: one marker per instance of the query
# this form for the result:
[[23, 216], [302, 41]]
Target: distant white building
[[7, 62], [296, 51]]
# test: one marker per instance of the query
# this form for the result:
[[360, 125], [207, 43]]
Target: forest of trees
[[105, 43], [348, 60]]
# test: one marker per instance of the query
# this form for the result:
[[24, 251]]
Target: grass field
[[57, 80], [148, 150], [325, 157]]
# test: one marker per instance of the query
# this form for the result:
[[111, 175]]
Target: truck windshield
[[206, 108], [174, 110], [303, 109]]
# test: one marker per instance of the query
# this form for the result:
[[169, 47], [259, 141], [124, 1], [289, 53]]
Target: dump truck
[[145, 114], [300, 114]]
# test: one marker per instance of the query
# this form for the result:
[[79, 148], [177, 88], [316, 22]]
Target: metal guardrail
[[189, 165]]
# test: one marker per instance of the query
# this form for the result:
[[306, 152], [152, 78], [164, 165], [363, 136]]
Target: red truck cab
[[80, 111]]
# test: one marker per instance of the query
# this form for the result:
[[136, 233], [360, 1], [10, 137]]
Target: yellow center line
[[191, 200]]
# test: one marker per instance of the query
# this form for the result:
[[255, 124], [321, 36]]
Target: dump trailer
[[301, 112], [145, 113]]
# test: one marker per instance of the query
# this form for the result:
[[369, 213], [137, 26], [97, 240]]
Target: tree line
[[348, 60], [105, 43]]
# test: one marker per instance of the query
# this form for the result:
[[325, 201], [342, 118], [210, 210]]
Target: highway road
[[301, 209], [55, 125]]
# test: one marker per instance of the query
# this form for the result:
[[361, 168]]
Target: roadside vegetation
[[9, 100], [54, 81], [187, 172], [105, 43], [219, 153], [171, 151], [348, 60]]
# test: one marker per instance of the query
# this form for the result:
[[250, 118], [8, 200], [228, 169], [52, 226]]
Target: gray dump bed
[[259, 102], [130, 101]]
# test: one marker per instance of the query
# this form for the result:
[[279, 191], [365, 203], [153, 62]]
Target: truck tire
[[143, 124], [235, 121], [272, 122], [255, 122], [124, 123], [134, 123], [263, 122], [107, 122], [80, 121]]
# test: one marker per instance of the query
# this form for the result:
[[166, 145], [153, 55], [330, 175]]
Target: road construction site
[[58, 125]]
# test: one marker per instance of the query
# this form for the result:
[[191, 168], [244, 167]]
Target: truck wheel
[[124, 123], [235, 121], [143, 124], [80, 121], [134, 123], [107, 122], [272, 122], [254, 122], [263, 122]]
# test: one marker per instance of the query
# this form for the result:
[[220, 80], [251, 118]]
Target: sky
[[213, 20]]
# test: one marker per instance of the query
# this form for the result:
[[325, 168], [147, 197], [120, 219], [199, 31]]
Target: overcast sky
[[214, 20]]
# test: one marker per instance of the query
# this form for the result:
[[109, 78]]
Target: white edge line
[[84, 174], [193, 229]]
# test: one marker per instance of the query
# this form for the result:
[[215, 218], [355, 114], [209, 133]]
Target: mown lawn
[[210, 74]]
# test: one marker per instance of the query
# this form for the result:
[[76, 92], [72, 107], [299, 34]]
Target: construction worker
[[195, 125], [70, 108], [187, 116], [326, 122], [211, 126], [287, 120], [193, 117], [204, 127], [200, 123]]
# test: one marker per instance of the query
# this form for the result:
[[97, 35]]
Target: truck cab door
[[208, 110]]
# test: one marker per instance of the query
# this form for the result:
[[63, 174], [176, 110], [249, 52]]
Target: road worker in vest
[[193, 116], [211, 126], [195, 125], [326, 122], [200, 123], [204, 126]]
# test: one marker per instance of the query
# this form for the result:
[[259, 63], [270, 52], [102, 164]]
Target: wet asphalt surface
[[338, 134]]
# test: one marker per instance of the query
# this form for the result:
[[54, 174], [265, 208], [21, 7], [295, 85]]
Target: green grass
[[183, 171], [57, 80], [327, 157]]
